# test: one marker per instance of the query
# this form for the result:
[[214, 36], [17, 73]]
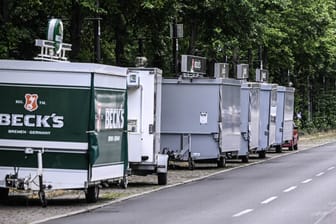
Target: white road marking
[[331, 168], [268, 200], [306, 181], [242, 212], [319, 174], [290, 189]]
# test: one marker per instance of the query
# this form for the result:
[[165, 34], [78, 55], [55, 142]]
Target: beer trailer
[[62, 126]]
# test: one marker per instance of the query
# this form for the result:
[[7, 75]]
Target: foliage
[[295, 39]]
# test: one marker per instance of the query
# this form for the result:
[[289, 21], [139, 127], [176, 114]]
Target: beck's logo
[[31, 102]]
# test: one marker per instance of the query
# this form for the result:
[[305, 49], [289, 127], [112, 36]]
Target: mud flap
[[162, 163]]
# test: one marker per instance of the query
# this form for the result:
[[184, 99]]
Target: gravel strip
[[22, 209]]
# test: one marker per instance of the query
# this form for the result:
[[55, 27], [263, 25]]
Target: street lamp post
[[97, 48]]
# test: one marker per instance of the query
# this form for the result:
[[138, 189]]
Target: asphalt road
[[299, 188]]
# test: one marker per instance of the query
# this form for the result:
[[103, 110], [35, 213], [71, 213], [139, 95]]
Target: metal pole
[[176, 57], [260, 57], [175, 48], [97, 49], [309, 118]]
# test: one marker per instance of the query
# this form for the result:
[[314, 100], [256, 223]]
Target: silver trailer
[[230, 117], [144, 118], [268, 103], [249, 119], [200, 119], [284, 116]]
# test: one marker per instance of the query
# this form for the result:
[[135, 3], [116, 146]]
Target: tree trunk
[[76, 27], [4, 11], [120, 37], [192, 39], [235, 60], [250, 58], [265, 57]]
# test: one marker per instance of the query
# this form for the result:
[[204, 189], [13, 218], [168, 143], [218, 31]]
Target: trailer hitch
[[41, 192], [42, 187]]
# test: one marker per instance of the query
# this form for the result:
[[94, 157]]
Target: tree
[[295, 39]]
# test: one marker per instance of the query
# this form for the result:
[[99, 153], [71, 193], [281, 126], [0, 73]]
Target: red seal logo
[[31, 102]]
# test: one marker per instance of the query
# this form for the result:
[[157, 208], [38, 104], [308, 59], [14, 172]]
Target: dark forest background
[[295, 39]]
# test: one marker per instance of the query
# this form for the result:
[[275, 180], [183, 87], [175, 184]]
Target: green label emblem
[[55, 33]]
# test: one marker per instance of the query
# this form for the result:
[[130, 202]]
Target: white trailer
[[284, 116], [144, 123], [62, 126], [268, 103]]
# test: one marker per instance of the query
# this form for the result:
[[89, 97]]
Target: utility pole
[[176, 32]]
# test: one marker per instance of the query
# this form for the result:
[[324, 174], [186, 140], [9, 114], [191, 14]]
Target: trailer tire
[[4, 194], [124, 183], [92, 194], [162, 178], [245, 159], [278, 149], [221, 162], [43, 199], [191, 164], [262, 154]]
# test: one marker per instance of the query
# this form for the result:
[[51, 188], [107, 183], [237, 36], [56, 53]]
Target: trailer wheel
[[262, 154], [43, 199], [191, 163], [278, 149], [124, 183], [92, 194], [4, 194], [221, 162], [162, 178], [245, 159]]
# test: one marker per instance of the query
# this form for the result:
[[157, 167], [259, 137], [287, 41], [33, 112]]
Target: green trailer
[[62, 126]]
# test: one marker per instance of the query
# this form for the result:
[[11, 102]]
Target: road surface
[[299, 188]]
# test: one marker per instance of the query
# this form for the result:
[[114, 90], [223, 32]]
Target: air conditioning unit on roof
[[193, 66], [242, 71], [221, 70], [261, 75]]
